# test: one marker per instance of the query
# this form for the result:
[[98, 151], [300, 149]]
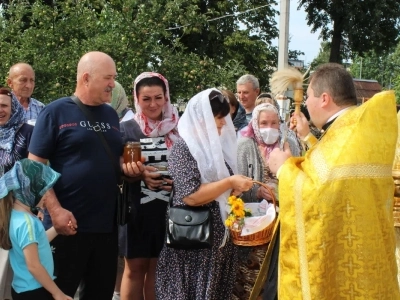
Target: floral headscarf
[[8, 130], [168, 125], [253, 131], [29, 180]]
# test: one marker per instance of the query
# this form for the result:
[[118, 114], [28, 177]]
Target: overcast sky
[[300, 35]]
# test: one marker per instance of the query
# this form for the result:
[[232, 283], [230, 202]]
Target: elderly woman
[[15, 136], [202, 164], [259, 139], [290, 135], [155, 126]]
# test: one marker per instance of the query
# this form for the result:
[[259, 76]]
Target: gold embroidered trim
[[348, 171], [360, 171], [301, 237]]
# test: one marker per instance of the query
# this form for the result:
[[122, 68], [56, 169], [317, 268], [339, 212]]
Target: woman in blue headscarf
[[14, 141], [15, 135]]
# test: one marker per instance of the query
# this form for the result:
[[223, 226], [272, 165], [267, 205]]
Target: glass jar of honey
[[132, 152]]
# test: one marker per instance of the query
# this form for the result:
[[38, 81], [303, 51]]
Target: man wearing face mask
[[259, 138]]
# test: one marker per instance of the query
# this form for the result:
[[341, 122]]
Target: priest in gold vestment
[[336, 202]]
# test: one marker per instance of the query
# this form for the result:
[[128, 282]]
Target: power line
[[222, 17]]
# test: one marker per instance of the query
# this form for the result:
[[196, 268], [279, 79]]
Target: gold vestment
[[336, 210]]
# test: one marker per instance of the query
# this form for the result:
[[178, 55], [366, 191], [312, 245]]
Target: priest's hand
[[277, 158], [299, 123]]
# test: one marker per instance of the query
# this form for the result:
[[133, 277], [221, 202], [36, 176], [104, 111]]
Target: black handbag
[[189, 227], [122, 194]]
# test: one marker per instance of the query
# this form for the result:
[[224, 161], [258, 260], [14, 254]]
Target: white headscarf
[[210, 150]]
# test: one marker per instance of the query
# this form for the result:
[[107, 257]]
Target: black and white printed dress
[[143, 237]]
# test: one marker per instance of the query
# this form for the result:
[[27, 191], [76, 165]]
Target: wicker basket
[[260, 237], [396, 211]]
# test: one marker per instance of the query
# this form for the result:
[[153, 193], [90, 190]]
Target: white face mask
[[269, 135]]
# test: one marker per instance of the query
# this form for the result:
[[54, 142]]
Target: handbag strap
[[97, 129], [171, 195]]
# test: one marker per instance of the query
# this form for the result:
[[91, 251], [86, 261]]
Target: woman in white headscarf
[[202, 164]]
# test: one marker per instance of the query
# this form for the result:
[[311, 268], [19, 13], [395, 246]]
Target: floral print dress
[[204, 274]]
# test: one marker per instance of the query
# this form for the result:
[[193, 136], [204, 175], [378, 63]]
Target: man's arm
[[60, 217]]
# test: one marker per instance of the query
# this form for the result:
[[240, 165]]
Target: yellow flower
[[239, 200], [238, 209], [229, 221], [231, 199], [237, 212]]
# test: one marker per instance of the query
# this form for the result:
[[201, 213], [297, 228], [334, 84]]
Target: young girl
[[21, 232]]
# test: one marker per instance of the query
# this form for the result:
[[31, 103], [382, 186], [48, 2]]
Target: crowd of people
[[334, 237]]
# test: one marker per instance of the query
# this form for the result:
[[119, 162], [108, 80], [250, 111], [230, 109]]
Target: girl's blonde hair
[[6, 205]]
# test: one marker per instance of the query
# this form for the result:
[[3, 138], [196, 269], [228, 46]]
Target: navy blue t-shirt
[[87, 186]]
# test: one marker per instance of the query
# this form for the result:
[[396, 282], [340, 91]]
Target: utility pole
[[283, 34], [283, 45]]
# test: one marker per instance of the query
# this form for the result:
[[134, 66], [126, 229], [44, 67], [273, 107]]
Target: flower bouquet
[[237, 213]]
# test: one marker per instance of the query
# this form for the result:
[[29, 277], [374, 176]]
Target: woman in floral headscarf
[[155, 126], [15, 136], [261, 136], [291, 138]]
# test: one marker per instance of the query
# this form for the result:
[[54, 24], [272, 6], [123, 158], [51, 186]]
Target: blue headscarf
[[8, 130], [29, 180]]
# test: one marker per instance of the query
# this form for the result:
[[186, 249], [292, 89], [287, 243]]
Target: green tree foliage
[[239, 30], [151, 35], [323, 55], [377, 67], [358, 26], [384, 68]]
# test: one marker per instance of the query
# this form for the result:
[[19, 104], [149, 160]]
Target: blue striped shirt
[[33, 110]]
